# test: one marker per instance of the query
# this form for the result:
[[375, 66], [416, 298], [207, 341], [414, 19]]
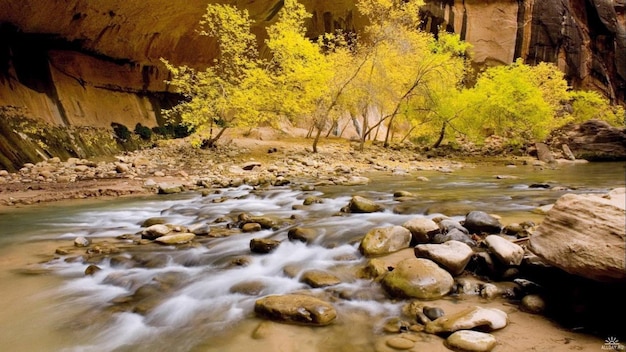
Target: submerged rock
[[319, 278], [177, 238]]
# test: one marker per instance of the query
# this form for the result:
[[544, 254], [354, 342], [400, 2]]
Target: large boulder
[[593, 140], [584, 235], [296, 309], [418, 278]]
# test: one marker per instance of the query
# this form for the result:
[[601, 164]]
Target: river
[[160, 298]]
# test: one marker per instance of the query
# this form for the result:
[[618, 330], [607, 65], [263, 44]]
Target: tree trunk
[[316, 140], [442, 135], [210, 143]]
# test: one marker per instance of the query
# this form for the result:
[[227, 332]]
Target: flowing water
[[160, 298]]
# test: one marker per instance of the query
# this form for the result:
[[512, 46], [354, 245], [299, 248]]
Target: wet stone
[[471, 341], [400, 343], [250, 288], [296, 309], [319, 278], [433, 312], [92, 269], [533, 304], [263, 245], [81, 241], [177, 238], [302, 235], [251, 227], [153, 221]]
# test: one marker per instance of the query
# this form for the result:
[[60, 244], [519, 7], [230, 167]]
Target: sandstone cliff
[[90, 63]]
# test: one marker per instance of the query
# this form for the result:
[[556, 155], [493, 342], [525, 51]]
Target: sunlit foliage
[[390, 76]]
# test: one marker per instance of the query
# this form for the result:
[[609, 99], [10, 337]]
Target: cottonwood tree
[[516, 101], [231, 91], [299, 70]]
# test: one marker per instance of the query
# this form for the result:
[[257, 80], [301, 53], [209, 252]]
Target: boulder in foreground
[[584, 235]]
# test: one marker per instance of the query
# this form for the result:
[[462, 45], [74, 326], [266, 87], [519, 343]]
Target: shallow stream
[[162, 298]]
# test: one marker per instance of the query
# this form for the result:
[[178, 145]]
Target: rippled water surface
[[159, 298]]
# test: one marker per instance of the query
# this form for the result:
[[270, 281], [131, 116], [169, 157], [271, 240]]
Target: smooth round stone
[[471, 341], [533, 304], [400, 343], [418, 278]]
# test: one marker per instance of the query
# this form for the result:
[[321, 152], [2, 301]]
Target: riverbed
[[192, 297]]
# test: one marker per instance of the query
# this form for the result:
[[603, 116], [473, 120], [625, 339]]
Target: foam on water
[[200, 300]]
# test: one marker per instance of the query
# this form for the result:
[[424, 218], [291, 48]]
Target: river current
[[193, 300]]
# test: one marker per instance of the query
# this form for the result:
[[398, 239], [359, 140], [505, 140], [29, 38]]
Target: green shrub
[[121, 132], [142, 131]]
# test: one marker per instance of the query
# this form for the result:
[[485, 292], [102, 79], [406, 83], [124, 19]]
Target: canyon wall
[[91, 63]]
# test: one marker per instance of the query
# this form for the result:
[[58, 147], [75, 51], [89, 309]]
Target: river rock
[[155, 231], [446, 225], [319, 278], [592, 140], [470, 318], [153, 221], [251, 165], [302, 234], [471, 341], [453, 235], [585, 235], [251, 227], [169, 188], [81, 241], [264, 221], [544, 153], [418, 278], [481, 222], [533, 304], [296, 309], [263, 245], [360, 204], [200, 229], [507, 252], [400, 343], [176, 238], [452, 255], [384, 240], [250, 288], [422, 229]]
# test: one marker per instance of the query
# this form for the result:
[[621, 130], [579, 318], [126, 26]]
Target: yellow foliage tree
[[229, 93]]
